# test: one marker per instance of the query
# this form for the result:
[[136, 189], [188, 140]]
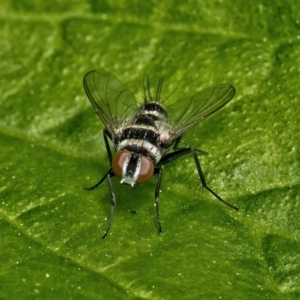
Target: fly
[[146, 137]]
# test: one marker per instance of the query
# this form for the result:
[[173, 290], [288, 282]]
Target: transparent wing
[[113, 103], [186, 113]]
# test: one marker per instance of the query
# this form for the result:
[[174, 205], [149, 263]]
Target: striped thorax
[[140, 144]]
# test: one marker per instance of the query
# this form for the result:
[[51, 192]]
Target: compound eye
[[146, 171], [118, 161]]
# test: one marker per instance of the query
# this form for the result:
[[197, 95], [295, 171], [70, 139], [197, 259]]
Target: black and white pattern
[[146, 137]]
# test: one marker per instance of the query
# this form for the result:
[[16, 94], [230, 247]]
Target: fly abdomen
[[153, 110], [147, 133], [141, 135], [144, 119]]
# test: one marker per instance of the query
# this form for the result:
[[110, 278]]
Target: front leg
[[113, 203], [110, 171], [106, 136], [158, 171]]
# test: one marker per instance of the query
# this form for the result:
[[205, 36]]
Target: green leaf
[[52, 147]]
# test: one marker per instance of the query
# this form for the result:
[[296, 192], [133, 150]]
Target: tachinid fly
[[147, 136]]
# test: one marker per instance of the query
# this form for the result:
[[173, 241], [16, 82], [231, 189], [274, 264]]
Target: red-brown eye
[[118, 161], [144, 167], [146, 171]]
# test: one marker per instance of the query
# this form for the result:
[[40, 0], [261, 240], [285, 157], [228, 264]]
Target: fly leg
[[108, 175], [106, 135], [108, 150], [158, 171], [113, 203], [184, 151], [101, 180]]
